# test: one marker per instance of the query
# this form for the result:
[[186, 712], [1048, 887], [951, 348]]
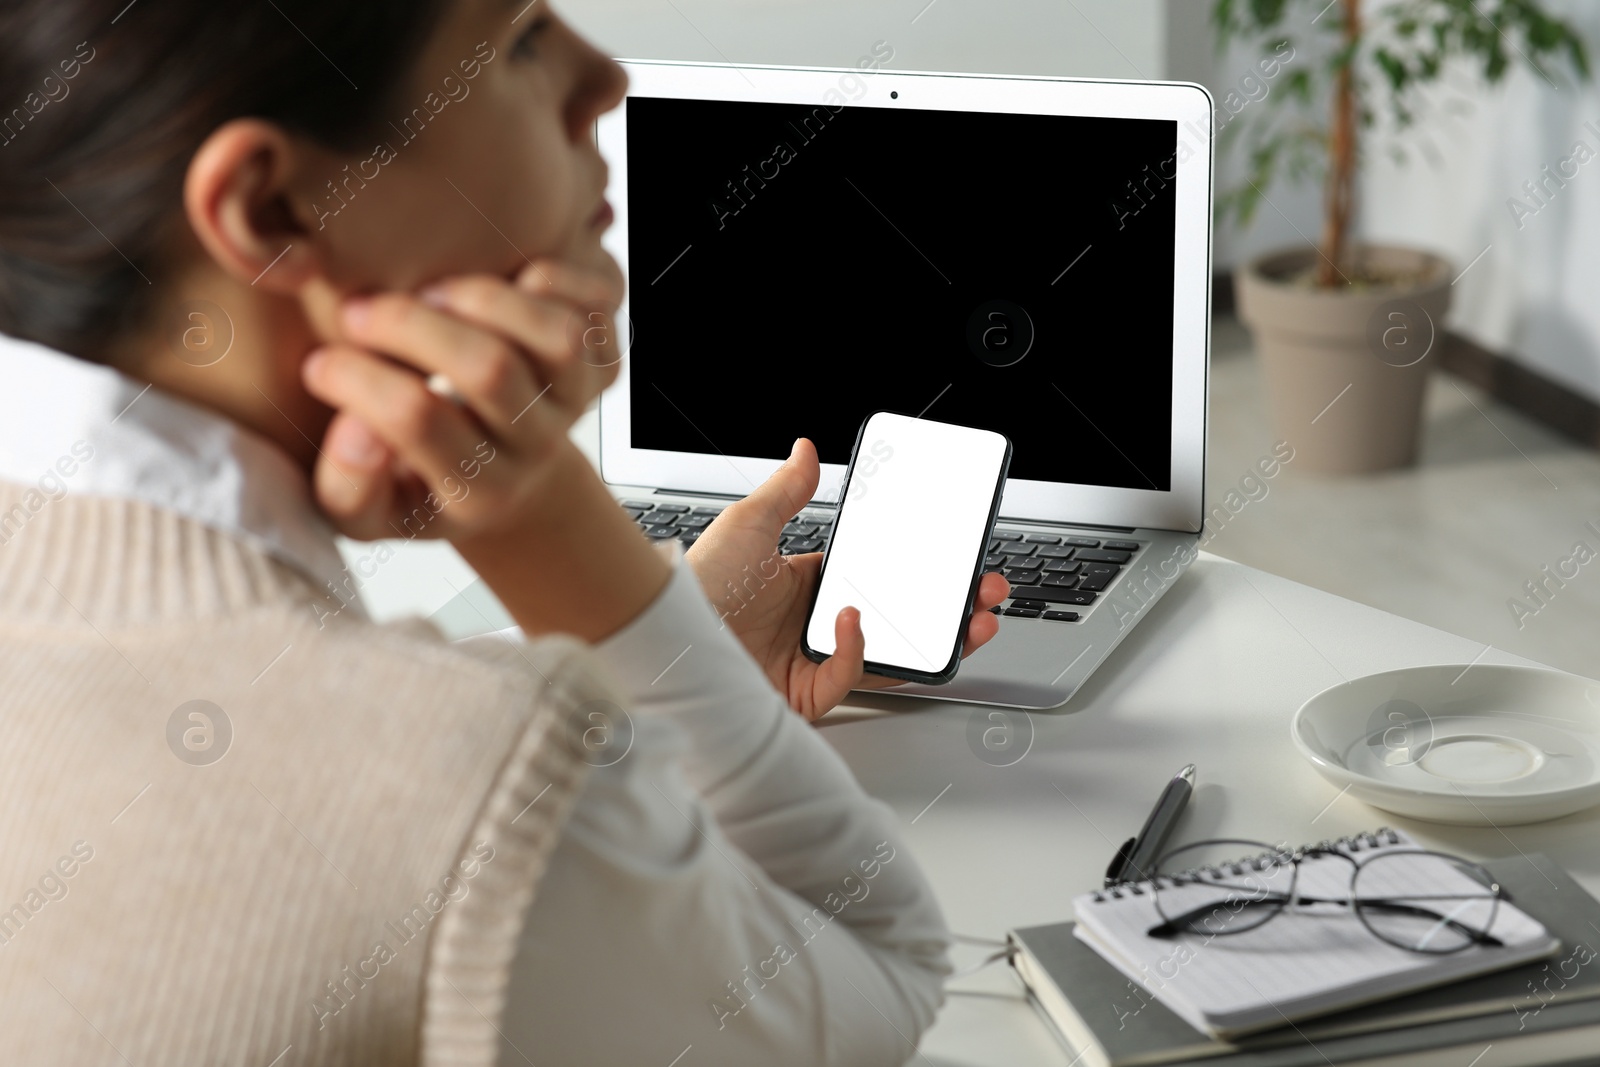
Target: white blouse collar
[[157, 448]]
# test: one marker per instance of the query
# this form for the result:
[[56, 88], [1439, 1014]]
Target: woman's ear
[[236, 196]]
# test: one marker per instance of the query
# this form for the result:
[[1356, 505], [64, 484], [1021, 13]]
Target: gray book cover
[[1131, 1028]]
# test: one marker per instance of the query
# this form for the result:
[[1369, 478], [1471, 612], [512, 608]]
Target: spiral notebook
[[1299, 964], [1542, 1012]]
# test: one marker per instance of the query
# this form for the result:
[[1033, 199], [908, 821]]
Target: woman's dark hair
[[104, 102]]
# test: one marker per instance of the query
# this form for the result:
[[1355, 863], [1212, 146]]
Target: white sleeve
[[725, 885]]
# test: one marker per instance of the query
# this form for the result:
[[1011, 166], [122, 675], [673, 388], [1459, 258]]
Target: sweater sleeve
[[724, 882]]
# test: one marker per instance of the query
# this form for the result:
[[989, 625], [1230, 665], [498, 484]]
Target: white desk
[[1211, 676]]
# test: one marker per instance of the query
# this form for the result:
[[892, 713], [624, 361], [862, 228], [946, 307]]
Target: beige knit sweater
[[331, 870]]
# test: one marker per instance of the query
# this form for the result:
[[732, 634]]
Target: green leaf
[[1543, 33], [1222, 17], [1267, 12], [1495, 66], [1578, 55], [1299, 85], [1392, 67]]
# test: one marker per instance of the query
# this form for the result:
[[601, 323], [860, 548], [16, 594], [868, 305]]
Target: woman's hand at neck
[[464, 398]]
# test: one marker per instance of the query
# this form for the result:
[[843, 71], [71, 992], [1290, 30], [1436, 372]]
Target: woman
[[272, 271]]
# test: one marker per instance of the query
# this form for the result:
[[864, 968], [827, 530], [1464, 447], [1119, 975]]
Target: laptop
[[1025, 254]]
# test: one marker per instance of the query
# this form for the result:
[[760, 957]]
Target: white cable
[[971, 940], [1007, 950], [1005, 953]]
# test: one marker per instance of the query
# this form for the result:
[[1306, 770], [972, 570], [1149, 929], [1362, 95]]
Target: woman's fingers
[[980, 630], [596, 293], [568, 281], [840, 672], [429, 388], [505, 347], [432, 436], [992, 589], [571, 345], [354, 480], [488, 370]]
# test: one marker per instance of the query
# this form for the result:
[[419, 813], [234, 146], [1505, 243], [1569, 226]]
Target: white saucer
[[1482, 745]]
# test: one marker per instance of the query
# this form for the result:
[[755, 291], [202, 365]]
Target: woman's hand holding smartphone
[[770, 618], [914, 583]]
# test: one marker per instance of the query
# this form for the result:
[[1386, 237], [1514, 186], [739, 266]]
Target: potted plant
[[1343, 328]]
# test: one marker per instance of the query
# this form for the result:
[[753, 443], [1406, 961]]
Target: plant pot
[[1346, 368]]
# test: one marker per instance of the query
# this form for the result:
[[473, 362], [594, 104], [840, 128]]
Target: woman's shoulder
[[557, 662]]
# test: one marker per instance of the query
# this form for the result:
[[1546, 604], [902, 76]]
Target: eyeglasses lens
[[1424, 901]]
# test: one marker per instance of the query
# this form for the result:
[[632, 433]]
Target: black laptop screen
[[794, 268]]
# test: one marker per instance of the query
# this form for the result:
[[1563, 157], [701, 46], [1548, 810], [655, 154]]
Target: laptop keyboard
[[1051, 575]]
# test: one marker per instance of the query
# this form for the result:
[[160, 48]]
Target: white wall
[[1098, 38], [1532, 295]]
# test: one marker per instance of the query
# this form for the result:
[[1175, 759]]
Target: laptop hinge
[[690, 492], [1075, 525], [833, 504]]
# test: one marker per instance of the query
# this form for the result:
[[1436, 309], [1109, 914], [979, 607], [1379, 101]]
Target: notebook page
[[1299, 963]]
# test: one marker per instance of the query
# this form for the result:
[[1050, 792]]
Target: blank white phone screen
[[911, 527]]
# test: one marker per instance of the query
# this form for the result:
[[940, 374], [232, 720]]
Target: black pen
[[1137, 854]]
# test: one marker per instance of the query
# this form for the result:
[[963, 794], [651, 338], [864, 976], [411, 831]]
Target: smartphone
[[920, 499]]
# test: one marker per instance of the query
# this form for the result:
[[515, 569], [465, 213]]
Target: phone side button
[[1025, 613]]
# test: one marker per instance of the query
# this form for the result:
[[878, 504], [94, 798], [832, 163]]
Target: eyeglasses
[[1416, 899]]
